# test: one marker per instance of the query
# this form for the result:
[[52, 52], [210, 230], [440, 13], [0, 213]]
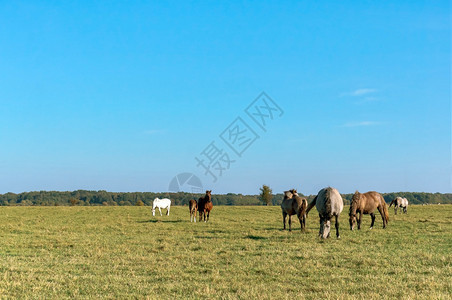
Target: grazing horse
[[400, 202], [329, 203], [366, 204], [161, 203], [205, 206], [291, 205], [193, 205]]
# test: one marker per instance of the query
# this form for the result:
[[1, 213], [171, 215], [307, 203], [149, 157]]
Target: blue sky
[[123, 96]]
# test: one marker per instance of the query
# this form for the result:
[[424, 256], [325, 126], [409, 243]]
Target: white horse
[[400, 202], [161, 203]]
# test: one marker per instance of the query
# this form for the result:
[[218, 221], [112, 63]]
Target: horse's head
[[352, 212], [352, 220], [288, 194], [209, 195], [325, 228], [154, 204]]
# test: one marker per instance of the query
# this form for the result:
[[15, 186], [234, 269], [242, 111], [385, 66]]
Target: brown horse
[[291, 205], [366, 204], [205, 206], [193, 205]]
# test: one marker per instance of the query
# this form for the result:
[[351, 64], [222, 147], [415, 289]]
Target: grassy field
[[124, 252]]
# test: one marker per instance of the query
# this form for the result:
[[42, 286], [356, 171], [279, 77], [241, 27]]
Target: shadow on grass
[[256, 237], [160, 221]]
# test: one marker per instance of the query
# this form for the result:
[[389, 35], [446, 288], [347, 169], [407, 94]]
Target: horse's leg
[[359, 220], [167, 213], [337, 226], [290, 222], [160, 210], [195, 215], [395, 209], [205, 213], [321, 225], [208, 215], [372, 215], [301, 219], [284, 215]]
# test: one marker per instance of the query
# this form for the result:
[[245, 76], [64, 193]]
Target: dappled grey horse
[[400, 202], [329, 203]]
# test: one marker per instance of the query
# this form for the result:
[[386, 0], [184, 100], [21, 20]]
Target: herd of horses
[[328, 202], [204, 205]]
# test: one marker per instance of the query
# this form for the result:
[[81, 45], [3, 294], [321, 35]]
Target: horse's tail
[[303, 207], [311, 205], [385, 209], [392, 202]]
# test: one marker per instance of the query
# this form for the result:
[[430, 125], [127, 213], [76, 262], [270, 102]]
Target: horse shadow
[[159, 221]]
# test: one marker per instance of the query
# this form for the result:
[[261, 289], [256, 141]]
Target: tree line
[[87, 198]]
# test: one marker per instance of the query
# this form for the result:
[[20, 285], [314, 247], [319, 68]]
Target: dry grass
[[124, 252]]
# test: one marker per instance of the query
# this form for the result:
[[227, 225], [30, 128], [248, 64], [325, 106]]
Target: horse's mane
[[207, 198], [354, 201], [288, 194], [356, 197]]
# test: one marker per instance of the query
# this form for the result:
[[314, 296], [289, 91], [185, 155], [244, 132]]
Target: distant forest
[[87, 198]]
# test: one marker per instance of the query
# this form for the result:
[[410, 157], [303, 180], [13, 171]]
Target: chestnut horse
[[193, 205], [366, 204], [205, 206], [294, 205]]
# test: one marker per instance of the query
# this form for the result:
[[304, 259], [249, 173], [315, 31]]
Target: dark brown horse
[[205, 206], [193, 205], [294, 205], [366, 204]]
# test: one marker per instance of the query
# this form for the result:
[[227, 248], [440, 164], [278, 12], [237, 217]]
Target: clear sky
[[122, 96]]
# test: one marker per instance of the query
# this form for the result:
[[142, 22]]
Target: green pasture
[[242, 253]]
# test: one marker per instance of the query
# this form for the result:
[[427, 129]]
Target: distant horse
[[329, 203], [205, 206], [399, 202], [294, 205], [366, 204], [193, 205], [161, 203]]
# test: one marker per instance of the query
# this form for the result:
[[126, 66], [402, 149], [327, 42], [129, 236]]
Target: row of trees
[[266, 197]]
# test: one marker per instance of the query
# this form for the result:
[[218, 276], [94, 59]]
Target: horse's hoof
[[370, 227], [338, 237]]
